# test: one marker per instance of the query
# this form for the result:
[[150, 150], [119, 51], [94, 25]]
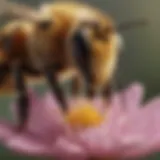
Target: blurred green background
[[139, 61]]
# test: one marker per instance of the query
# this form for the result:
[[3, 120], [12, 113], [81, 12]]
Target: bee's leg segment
[[109, 88], [4, 70], [82, 57], [107, 92], [76, 86], [23, 101], [91, 92], [55, 87]]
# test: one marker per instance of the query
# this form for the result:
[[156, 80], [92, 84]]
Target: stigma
[[84, 116]]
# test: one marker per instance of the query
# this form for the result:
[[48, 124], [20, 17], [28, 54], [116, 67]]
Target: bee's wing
[[13, 9], [124, 26], [127, 26], [120, 42]]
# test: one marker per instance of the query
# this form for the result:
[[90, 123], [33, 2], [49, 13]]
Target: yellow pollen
[[84, 116]]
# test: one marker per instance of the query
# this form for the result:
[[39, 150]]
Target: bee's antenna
[[14, 10], [132, 24]]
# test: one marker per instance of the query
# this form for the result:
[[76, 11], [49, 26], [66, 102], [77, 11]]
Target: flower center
[[84, 116]]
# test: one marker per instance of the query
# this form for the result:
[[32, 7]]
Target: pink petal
[[140, 131], [126, 117], [66, 149], [141, 149], [129, 99], [146, 121], [27, 145], [6, 131], [132, 97], [46, 119], [99, 104], [99, 142], [132, 130], [137, 151], [115, 114], [127, 131], [33, 100], [150, 112]]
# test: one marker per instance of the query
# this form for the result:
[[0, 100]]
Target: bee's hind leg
[[82, 56], [108, 91], [55, 87], [23, 99], [4, 71], [77, 86]]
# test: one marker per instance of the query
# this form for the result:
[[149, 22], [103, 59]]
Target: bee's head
[[43, 24], [47, 23]]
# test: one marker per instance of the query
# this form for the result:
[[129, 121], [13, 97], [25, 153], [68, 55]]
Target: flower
[[126, 129]]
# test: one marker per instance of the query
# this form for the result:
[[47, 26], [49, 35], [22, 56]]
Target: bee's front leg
[[23, 100], [107, 93], [55, 87], [76, 85], [4, 71], [83, 56]]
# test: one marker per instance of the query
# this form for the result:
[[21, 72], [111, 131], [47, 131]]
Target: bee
[[54, 38]]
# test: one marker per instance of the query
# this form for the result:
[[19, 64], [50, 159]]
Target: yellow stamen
[[84, 116]]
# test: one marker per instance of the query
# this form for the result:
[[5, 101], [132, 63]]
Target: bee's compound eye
[[44, 24]]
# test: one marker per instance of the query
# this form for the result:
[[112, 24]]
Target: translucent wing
[[12, 9], [132, 24]]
